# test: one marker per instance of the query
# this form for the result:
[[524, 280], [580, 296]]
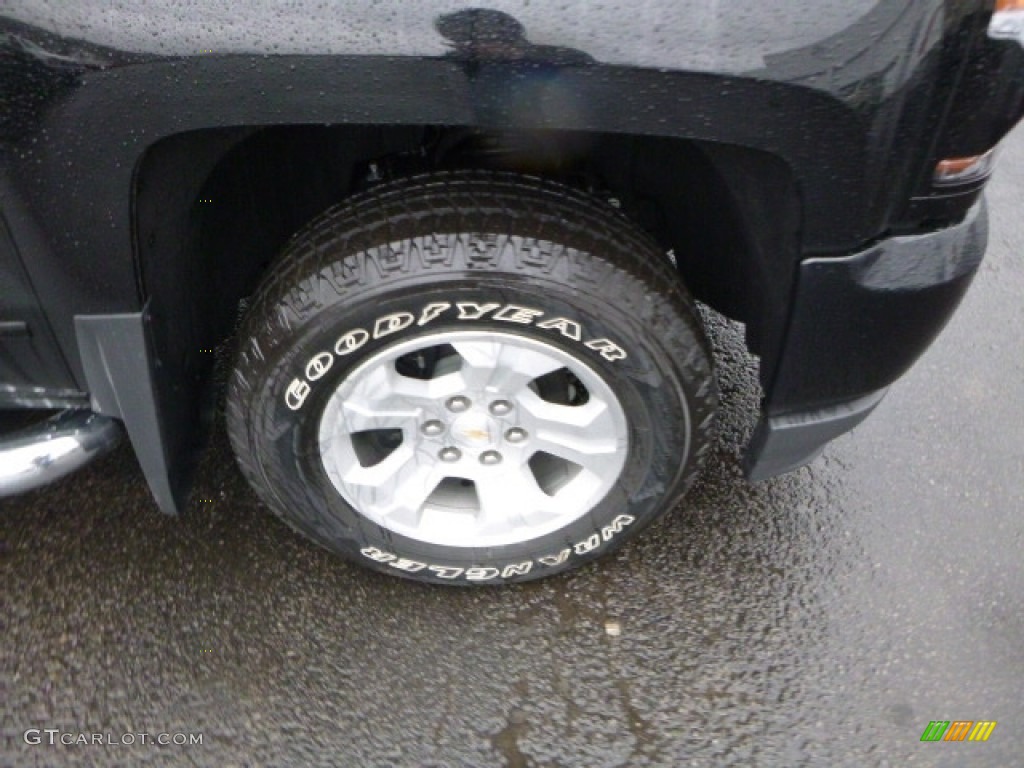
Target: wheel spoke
[[384, 399], [498, 367], [586, 435], [397, 487], [423, 391], [358, 417], [512, 499], [597, 456], [593, 419]]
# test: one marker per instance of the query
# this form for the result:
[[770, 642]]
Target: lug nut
[[432, 428], [516, 435], [501, 407], [450, 454], [458, 404], [490, 458]]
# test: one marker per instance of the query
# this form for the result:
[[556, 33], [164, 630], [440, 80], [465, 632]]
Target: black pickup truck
[[454, 252]]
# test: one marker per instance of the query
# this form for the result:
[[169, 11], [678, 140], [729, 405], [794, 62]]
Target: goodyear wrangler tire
[[471, 378]]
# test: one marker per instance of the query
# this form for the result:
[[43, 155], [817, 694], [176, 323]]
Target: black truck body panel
[[32, 369]]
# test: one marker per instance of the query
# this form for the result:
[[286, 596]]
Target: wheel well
[[214, 207]]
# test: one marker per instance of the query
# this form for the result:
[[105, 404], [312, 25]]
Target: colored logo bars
[[958, 730]]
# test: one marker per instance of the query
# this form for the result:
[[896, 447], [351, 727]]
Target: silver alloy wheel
[[510, 462]]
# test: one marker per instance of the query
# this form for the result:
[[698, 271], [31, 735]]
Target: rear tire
[[470, 378]]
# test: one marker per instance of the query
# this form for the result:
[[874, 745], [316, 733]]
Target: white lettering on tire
[[554, 560], [511, 313], [616, 526], [481, 574], [485, 573], [394, 323], [349, 342], [377, 555], [516, 569], [404, 564], [445, 572], [609, 349], [569, 328], [296, 394], [319, 364], [470, 310], [431, 311]]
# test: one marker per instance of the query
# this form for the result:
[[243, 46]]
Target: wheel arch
[[213, 208]]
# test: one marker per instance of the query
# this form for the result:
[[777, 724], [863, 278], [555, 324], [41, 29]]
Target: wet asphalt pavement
[[822, 618]]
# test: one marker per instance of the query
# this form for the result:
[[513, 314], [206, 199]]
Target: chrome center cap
[[474, 430]]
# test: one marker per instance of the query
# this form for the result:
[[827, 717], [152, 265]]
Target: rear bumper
[[858, 323]]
